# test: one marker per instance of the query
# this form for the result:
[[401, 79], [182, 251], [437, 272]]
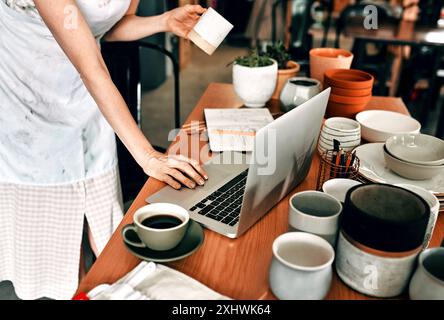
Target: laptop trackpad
[[218, 174]]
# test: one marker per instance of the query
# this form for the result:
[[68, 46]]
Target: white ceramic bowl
[[410, 170], [346, 131], [417, 148], [379, 125], [338, 188]]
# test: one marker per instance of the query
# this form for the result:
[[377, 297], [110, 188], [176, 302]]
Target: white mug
[[298, 90], [428, 281], [210, 31], [155, 238], [315, 212], [301, 268]]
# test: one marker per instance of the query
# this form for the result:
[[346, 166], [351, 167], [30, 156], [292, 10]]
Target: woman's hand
[[182, 20], [175, 170]]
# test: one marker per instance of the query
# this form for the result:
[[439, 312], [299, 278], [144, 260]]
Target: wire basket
[[336, 164]]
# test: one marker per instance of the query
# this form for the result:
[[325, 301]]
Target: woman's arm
[[179, 21], [81, 48]]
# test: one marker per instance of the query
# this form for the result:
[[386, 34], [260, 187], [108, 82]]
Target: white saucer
[[373, 168]]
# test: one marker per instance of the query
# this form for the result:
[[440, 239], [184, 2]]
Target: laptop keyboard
[[225, 204]]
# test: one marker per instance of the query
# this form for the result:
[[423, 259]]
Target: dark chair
[[379, 64], [123, 62], [301, 40]]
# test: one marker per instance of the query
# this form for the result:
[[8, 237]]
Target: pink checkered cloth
[[41, 232]]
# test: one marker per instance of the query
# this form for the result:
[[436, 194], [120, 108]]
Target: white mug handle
[[132, 227]]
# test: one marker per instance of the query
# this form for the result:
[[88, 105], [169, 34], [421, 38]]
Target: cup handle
[[131, 227]]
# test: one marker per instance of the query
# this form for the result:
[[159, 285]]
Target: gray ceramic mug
[[315, 212], [301, 268], [428, 281]]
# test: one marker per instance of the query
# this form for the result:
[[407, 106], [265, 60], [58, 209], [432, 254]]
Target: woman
[[59, 110]]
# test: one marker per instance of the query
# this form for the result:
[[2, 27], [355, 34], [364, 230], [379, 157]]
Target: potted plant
[[286, 67], [254, 78]]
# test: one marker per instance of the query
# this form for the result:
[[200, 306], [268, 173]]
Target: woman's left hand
[[182, 20]]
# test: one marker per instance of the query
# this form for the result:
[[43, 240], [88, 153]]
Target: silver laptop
[[241, 187]]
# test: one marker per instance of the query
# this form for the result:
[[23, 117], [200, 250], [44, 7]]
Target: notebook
[[235, 129]]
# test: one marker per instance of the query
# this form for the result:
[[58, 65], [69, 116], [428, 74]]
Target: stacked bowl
[[415, 156], [351, 91]]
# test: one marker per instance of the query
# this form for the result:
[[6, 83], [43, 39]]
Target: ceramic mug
[[210, 31], [344, 130], [156, 238], [298, 90], [315, 212], [301, 268], [428, 281]]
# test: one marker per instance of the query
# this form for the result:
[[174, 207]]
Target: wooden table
[[236, 268]]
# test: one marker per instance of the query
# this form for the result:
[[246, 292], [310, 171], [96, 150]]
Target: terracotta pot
[[323, 59], [350, 100], [283, 76], [349, 79], [351, 92], [335, 109]]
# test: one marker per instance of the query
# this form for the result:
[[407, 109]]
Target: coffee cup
[[315, 212], [210, 31], [160, 226], [428, 281], [301, 268]]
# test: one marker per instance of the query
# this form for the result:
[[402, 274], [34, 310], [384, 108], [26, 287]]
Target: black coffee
[[304, 83], [161, 222]]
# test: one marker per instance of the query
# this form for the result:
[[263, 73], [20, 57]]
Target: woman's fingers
[[190, 172], [195, 164], [170, 181], [195, 9], [176, 174]]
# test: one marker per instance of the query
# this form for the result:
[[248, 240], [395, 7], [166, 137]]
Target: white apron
[[57, 154]]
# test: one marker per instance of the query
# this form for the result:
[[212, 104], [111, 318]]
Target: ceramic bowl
[[338, 188], [346, 131], [350, 100], [335, 109], [379, 125], [385, 217], [348, 79], [417, 148], [351, 92], [410, 170]]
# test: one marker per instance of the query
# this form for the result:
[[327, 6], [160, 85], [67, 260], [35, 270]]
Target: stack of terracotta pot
[[351, 91]]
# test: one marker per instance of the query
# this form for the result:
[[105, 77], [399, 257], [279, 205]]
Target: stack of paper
[[235, 129]]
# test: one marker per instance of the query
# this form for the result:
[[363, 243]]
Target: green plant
[[254, 60], [279, 53]]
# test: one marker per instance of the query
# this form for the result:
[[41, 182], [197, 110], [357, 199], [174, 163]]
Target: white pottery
[[379, 125], [301, 268], [417, 148], [255, 86], [434, 204], [338, 188], [346, 131], [428, 281], [377, 276], [411, 170], [315, 212], [293, 94]]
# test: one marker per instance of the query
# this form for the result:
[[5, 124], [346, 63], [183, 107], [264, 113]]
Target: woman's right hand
[[175, 170]]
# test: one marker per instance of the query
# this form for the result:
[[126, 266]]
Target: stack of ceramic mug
[[383, 228], [351, 91]]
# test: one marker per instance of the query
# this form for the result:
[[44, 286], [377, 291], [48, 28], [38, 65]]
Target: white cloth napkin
[[149, 281]]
